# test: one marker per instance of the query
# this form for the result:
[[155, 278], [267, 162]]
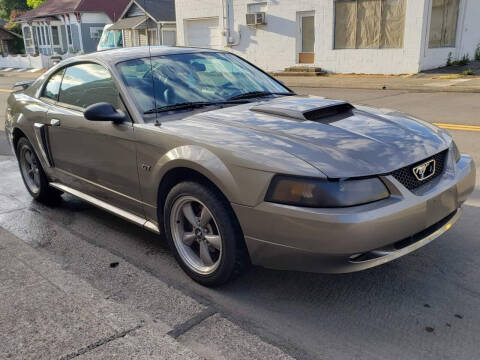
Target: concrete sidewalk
[[47, 313], [417, 83]]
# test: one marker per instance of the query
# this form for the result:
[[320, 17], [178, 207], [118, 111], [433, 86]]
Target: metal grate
[[406, 177]]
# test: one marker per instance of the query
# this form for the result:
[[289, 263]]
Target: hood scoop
[[314, 112]]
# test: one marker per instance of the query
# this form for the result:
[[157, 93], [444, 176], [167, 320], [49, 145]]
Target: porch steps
[[300, 71]]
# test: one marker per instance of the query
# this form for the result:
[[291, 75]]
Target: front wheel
[[204, 234]]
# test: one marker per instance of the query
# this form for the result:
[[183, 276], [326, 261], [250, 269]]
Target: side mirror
[[104, 112]]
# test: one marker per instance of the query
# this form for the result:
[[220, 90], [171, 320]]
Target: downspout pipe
[[226, 21], [227, 24]]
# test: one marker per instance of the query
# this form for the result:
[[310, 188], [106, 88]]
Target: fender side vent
[[329, 111]]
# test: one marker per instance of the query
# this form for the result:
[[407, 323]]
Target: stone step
[[297, 73]]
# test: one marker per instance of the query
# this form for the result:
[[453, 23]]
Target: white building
[[342, 36]]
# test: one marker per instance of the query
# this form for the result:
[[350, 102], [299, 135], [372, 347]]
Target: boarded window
[[369, 24], [443, 23]]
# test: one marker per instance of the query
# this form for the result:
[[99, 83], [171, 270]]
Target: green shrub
[[477, 53], [449, 59], [465, 60], [468, 72]]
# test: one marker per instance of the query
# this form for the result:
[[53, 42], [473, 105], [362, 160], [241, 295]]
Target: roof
[[113, 8], [128, 23], [116, 56], [7, 34], [160, 10]]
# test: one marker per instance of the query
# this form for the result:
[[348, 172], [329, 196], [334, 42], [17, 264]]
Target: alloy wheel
[[30, 169], [196, 234]]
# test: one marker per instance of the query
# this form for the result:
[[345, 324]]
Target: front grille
[[406, 177]]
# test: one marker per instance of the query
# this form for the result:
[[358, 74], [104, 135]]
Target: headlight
[[456, 152], [320, 193]]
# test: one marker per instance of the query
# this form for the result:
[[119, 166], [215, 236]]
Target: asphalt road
[[423, 306]]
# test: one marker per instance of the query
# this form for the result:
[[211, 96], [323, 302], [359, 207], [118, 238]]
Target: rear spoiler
[[24, 85]]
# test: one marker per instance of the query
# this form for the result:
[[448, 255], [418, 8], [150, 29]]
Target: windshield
[[110, 39], [191, 78]]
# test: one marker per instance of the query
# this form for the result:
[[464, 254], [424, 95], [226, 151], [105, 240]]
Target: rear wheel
[[33, 175], [204, 234]]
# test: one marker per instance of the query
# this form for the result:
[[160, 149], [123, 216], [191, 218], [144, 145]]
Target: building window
[[169, 37], [44, 38], [152, 37], [39, 36], [55, 36], [443, 23], [96, 33], [69, 34], [369, 24], [47, 34], [27, 35]]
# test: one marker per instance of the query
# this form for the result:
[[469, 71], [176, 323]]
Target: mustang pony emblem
[[424, 171]]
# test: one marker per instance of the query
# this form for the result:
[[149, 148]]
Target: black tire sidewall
[[226, 226], [45, 194]]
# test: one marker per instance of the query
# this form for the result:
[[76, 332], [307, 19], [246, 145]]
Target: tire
[[33, 175], [210, 246]]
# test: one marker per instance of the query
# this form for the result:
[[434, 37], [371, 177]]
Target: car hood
[[336, 138]]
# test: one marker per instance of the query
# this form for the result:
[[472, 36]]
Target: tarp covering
[[345, 24], [369, 24], [443, 24], [393, 23]]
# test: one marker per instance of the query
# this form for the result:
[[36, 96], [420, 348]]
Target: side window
[[52, 88], [87, 84]]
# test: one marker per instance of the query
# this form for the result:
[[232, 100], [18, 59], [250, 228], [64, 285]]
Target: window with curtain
[[443, 23], [369, 24]]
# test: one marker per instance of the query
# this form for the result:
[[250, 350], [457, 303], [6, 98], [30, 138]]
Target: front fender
[[201, 160], [239, 185]]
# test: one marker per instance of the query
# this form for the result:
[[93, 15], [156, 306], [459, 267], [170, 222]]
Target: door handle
[[55, 122]]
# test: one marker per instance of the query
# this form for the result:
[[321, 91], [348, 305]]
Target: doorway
[[306, 37]]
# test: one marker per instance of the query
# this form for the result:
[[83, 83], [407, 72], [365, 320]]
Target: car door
[[95, 157]]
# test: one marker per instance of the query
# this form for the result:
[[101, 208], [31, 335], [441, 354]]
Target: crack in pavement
[[100, 342], [184, 327]]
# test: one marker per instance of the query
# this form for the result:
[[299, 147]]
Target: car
[[232, 166]]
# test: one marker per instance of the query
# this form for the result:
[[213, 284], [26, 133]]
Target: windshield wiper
[[191, 105], [255, 94]]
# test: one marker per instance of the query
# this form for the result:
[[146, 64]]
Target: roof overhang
[[129, 23]]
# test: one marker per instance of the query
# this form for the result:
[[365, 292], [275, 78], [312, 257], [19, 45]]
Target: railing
[[25, 61], [31, 61]]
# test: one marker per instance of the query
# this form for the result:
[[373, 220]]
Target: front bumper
[[352, 239]]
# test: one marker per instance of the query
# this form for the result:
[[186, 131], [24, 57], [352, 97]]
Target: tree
[[35, 3], [6, 7]]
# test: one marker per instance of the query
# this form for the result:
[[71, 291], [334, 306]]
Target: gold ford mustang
[[232, 166]]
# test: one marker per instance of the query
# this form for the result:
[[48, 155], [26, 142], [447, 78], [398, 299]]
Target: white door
[[306, 37], [202, 33]]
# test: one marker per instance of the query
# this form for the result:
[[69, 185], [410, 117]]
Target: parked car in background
[[111, 39], [232, 166]]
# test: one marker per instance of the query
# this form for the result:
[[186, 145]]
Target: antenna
[[147, 21]]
